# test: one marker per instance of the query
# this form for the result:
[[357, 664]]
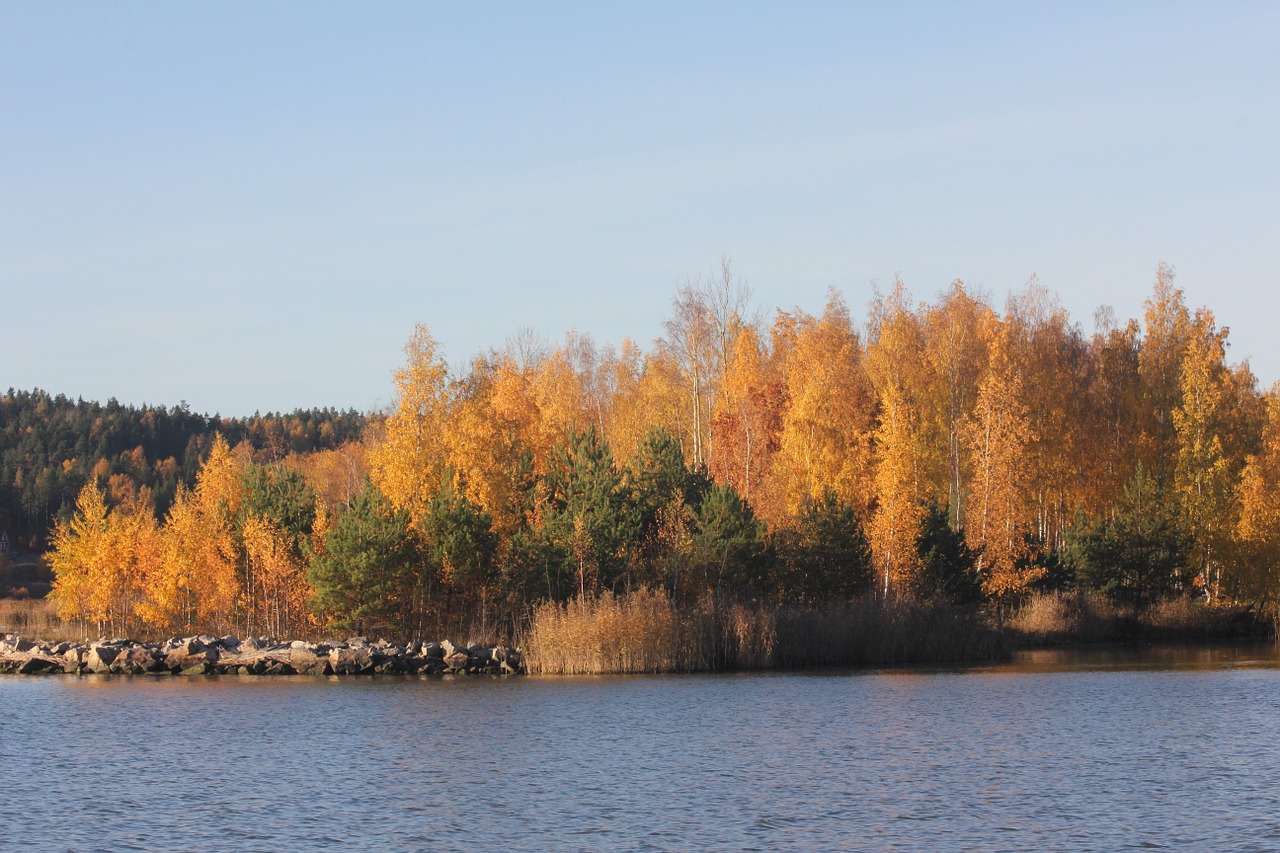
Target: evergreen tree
[[729, 544], [1141, 554], [370, 575], [948, 566], [826, 555], [589, 519]]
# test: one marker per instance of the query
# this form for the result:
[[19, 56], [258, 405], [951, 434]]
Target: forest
[[943, 451], [51, 446]]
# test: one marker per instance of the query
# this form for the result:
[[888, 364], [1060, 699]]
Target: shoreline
[[207, 655]]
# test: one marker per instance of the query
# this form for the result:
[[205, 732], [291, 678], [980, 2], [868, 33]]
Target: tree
[[826, 435], [956, 349], [99, 559], [948, 567], [371, 576], [1139, 555], [1202, 477], [825, 555], [729, 544], [283, 497], [705, 319], [277, 588], [197, 581], [1168, 332], [460, 539], [1258, 527], [588, 517], [998, 435], [407, 465], [747, 419]]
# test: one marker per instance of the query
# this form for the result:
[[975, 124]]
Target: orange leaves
[[276, 581], [826, 430], [102, 560], [998, 436], [410, 461]]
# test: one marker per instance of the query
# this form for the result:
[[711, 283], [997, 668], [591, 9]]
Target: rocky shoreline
[[207, 655]]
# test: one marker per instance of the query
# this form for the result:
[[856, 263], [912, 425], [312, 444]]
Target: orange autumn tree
[[1258, 526], [825, 443], [100, 558], [998, 435], [956, 349], [196, 581], [746, 423], [896, 364], [409, 463]]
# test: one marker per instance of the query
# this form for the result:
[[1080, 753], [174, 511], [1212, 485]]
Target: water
[[1178, 749]]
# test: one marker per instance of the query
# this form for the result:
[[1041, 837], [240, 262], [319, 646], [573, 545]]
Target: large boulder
[[136, 660], [100, 657], [73, 659], [192, 656], [349, 661], [307, 660]]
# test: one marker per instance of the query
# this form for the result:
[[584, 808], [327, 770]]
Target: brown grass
[[1090, 618], [37, 618], [644, 632], [640, 632]]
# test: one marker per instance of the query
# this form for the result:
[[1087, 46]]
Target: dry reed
[[645, 632], [1089, 618], [37, 617]]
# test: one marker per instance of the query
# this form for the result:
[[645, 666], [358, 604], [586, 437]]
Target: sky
[[247, 207]]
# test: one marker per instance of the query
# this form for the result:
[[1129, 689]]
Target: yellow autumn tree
[[630, 420], [1258, 527], [1202, 477], [998, 435], [100, 559], [895, 524], [196, 582], [410, 461], [956, 349], [277, 585], [898, 370], [486, 435], [825, 443]]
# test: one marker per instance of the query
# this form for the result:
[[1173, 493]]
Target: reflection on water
[[1087, 658], [1094, 749]]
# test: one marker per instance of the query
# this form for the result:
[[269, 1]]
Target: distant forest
[[51, 446]]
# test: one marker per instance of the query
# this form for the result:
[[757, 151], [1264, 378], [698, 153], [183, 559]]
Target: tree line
[[51, 446], [940, 449]]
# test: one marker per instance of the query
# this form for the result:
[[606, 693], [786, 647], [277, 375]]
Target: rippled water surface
[[1106, 750]]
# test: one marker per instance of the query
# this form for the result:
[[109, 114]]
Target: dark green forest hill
[[51, 445]]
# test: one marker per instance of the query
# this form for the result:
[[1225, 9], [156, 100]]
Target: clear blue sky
[[248, 206]]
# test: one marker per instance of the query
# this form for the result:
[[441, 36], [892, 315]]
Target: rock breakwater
[[208, 655]]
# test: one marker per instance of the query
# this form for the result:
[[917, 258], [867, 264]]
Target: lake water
[[1103, 750]]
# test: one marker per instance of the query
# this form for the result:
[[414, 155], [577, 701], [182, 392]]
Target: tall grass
[[1089, 618], [38, 618], [645, 632]]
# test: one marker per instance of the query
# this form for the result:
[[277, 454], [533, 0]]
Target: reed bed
[[646, 632], [37, 617], [1062, 617], [639, 632]]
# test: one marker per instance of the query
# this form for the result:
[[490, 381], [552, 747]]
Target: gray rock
[[351, 661], [99, 658], [136, 660]]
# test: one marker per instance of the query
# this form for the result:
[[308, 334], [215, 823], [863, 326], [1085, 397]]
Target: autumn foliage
[[945, 449]]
